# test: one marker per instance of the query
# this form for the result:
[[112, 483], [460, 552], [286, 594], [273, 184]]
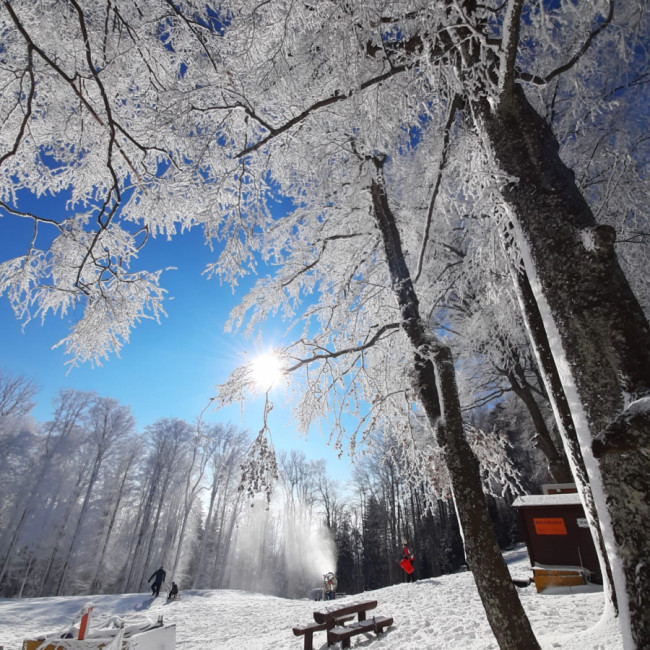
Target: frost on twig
[[423, 460], [260, 469], [65, 280]]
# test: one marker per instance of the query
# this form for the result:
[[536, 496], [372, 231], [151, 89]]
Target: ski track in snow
[[442, 613]]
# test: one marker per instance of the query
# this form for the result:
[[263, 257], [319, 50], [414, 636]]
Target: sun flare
[[267, 371]]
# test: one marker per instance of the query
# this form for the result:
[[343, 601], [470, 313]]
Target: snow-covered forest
[[445, 200], [90, 505]]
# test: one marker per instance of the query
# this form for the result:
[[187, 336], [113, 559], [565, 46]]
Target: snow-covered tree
[[44, 495], [481, 57], [225, 502], [168, 440], [147, 121], [16, 436], [108, 422], [117, 485]]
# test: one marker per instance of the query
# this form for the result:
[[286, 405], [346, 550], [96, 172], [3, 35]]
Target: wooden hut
[[558, 539]]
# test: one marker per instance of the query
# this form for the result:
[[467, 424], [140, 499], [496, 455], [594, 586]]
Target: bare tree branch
[[337, 97], [540, 81], [339, 353], [454, 106]]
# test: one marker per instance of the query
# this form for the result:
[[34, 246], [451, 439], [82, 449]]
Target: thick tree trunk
[[435, 381], [598, 334], [562, 411]]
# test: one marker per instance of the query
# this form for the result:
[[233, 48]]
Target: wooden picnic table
[[329, 613], [332, 619]]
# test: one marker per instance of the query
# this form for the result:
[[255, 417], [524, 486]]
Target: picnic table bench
[[333, 619]]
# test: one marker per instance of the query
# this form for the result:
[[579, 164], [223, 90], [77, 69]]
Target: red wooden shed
[[558, 539]]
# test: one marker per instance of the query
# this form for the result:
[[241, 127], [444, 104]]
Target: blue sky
[[167, 370]]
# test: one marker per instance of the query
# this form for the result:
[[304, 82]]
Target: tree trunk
[[217, 571], [95, 582], [63, 526], [224, 551], [551, 378], [557, 464], [598, 333], [29, 563], [80, 519], [142, 526], [12, 542], [69, 408], [200, 569], [435, 382], [153, 531]]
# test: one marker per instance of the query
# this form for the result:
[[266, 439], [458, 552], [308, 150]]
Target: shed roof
[[568, 499]]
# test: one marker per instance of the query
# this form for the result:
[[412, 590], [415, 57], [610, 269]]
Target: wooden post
[[85, 620]]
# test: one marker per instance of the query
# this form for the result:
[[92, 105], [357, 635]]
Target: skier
[[159, 576], [407, 563], [173, 593]]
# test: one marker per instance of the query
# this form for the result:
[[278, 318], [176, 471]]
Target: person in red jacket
[[407, 563]]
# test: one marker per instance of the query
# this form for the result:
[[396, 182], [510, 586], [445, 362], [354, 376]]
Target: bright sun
[[267, 371]]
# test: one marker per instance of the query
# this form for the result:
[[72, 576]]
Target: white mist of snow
[[311, 553], [282, 551]]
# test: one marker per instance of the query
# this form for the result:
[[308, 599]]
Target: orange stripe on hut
[[550, 526]]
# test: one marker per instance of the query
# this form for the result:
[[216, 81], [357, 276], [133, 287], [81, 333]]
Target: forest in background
[[90, 505]]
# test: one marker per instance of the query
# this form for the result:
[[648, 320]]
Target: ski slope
[[442, 613]]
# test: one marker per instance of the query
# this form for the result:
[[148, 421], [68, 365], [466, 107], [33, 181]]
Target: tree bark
[[435, 382], [598, 333], [557, 463], [555, 391]]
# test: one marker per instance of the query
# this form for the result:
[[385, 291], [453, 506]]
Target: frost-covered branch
[[453, 108], [377, 336], [540, 81], [317, 106], [509, 43], [28, 108]]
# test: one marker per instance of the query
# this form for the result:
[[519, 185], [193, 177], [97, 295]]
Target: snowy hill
[[438, 614]]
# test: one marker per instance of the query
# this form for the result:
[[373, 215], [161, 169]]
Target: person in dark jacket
[[173, 592], [158, 578]]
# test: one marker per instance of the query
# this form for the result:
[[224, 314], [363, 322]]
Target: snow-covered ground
[[440, 613]]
